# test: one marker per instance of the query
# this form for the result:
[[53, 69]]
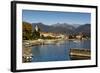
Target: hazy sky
[[52, 17]]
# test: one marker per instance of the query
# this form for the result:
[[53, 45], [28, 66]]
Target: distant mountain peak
[[64, 25], [64, 28], [76, 25]]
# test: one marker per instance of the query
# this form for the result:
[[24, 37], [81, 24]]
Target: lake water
[[58, 51]]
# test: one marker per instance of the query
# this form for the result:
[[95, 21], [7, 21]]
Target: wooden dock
[[80, 54]]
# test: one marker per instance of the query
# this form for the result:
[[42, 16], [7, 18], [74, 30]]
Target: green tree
[[36, 34], [27, 31]]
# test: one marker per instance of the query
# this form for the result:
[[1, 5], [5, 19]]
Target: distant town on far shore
[[63, 30]]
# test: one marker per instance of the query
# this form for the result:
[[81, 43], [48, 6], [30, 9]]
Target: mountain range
[[64, 28]]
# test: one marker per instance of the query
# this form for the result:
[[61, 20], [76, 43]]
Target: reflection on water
[[58, 51]]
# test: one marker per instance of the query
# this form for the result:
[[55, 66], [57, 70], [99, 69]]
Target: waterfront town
[[49, 37], [45, 38]]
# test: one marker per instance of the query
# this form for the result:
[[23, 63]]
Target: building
[[50, 34], [46, 34], [36, 28], [80, 36]]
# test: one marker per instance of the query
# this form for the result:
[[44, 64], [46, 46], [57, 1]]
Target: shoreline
[[47, 41]]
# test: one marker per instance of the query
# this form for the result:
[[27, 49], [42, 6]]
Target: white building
[[36, 28]]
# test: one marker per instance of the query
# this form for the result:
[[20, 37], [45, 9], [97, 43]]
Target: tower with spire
[[36, 28]]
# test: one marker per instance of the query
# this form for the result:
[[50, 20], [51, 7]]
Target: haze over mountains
[[64, 28]]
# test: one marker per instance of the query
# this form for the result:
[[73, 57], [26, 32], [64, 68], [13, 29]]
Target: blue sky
[[52, 17]]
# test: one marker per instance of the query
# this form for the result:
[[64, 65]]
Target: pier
[[80, 54]]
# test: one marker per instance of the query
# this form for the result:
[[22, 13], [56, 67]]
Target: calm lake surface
[[58, 51]]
